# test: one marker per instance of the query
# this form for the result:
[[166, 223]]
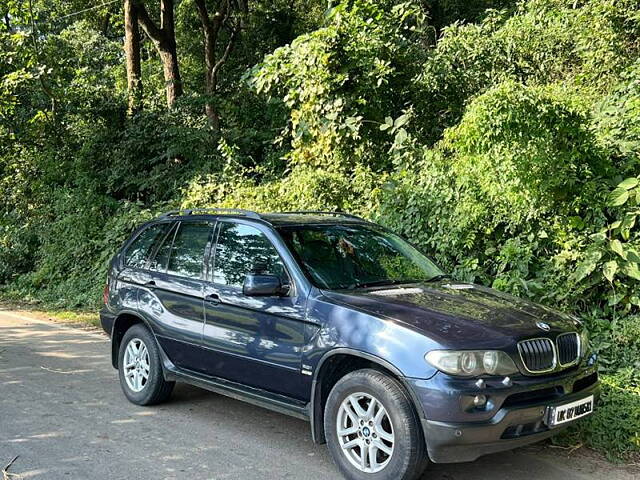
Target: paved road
[[62, 412]]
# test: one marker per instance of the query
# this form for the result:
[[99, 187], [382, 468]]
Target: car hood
[[458, 315]]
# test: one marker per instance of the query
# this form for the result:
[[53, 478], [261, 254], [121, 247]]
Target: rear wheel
[[140, 368], [372, 429]]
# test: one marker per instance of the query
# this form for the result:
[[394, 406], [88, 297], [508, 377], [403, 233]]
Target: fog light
[[480, 400]]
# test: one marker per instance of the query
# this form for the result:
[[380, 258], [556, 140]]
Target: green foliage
[[341, 82], [614, 252], [614, 429], [446, 12], [542, 41], [304, 188]]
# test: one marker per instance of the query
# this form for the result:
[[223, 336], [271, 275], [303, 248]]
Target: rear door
[[256, 341], [173, 296]]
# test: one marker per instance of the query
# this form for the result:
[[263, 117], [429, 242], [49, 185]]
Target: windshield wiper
[[379, 283], [439, 277]]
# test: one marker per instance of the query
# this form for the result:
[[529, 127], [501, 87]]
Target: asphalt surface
[[63, 414]]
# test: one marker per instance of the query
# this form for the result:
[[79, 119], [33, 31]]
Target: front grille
[[538, 355], [567, 348]]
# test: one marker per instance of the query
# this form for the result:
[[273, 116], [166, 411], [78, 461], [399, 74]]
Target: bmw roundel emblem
[[543, 326]]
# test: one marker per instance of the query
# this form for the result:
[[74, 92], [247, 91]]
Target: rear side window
[[139, 251], [187, 253], [161, 258], [242, 250]]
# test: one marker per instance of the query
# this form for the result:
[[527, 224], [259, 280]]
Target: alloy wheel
[[365, 432], [136, 365]]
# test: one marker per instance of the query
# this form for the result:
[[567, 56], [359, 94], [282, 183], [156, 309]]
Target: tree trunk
[[105, 24], [171, 69], [169, 53], [164, 39], [210, 79], [211, 26], [132, 53]]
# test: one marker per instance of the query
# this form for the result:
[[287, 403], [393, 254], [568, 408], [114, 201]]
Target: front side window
[[140, 249], [356, 256], [186, 258], [242, 250]]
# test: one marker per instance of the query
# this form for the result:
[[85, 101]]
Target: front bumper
[[509, 425]]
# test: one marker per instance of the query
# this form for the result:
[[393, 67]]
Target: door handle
[[213, 298], [150, 284]]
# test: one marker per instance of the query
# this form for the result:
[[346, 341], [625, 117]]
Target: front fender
[[391, 342]]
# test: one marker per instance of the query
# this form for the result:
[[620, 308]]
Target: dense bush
[[502, 137], [620, 398]]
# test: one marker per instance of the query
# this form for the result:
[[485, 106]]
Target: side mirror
[[263, 286]]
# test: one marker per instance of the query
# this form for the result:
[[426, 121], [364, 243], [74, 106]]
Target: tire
[[396, 429], [154, 388]]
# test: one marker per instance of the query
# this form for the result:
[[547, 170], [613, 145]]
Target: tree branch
[[201, 6], [227, 13], [227, 51], [148, 25], [220, 17]]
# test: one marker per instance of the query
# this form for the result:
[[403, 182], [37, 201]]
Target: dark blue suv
[[333, 319]]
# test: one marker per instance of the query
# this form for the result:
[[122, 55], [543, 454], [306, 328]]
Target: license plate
[[570, 411]]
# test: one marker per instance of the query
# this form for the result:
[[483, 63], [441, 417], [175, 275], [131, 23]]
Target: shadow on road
[[537, 462]]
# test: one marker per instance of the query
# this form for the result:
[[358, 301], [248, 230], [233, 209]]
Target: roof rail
[[320, 212], [211, 211]]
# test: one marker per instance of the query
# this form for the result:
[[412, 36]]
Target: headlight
[[471, 363], [584, 342]]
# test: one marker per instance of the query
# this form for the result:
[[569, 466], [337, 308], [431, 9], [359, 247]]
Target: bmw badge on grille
[[543, 326]]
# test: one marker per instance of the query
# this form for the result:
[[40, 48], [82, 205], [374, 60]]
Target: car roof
[[290, 219], [276, 219]]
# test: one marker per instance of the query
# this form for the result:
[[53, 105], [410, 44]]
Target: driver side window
[[242, 250]]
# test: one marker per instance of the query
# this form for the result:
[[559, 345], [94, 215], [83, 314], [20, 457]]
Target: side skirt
[[255, 396]]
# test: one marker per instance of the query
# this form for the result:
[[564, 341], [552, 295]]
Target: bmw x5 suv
[[336, 320]]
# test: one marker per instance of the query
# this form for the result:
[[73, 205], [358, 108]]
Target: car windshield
[[357, 256]]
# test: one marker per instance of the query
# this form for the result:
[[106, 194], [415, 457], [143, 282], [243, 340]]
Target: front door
[[256, 341]]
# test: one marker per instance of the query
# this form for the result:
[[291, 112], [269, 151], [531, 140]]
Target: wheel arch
[[334, 365], [123, 322]]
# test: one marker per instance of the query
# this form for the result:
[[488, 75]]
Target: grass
[[77, 317]]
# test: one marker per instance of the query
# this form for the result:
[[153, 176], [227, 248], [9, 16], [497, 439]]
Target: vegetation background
[[502, 137]]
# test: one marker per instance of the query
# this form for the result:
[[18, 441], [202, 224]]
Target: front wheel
[[140, 368], [372, 429]]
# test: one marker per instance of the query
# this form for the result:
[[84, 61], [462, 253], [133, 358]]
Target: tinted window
[[187, 252], [161, 257], [241, 250], [139, 251], [355, 256]]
